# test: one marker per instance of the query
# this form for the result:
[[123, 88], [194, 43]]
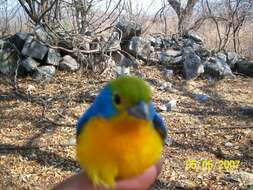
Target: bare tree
[[232, 18], [41, 10], [8, 13], [184, 14]]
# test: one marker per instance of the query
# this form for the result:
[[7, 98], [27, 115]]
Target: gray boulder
[[53, 57], [203, 52], [245, 67], [232, 59], [173, 53], [163, 57], [68, 63], [122, 70], [216, 67], [165, 86], [19, 39], [42, 34], [29, 64], [167, 74], [189, 43], [34, 49], [192, 35], [44, 73], [222, 57], [156, 42], [178, 60], [172, 104], [193, 66], [8, 58], [128, 29], [125, 61], [140, 47]]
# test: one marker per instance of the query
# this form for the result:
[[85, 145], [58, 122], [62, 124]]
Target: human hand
[[140, 182]]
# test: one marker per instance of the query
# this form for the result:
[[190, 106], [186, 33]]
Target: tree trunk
[[184, 14]]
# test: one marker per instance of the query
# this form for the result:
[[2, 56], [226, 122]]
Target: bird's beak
[[140, 110]]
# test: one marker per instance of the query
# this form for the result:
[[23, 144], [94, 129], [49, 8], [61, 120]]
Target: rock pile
[[178, 54], [187, 54], [33, 57]]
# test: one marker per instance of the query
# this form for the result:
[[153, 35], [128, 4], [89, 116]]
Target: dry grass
[[34, 153]]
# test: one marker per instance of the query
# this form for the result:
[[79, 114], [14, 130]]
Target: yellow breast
[[120, 147]]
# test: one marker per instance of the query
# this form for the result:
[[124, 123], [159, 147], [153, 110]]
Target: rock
[[196, 47], [165, 86], [245, 67], [246, 177], [8, 58], [42, 34], [203, 52], [167, 74], [127, 62], [200, 97], [246, 110], [34, 49], [115, 36], [140, 48], [188, 43], [173, 53], [139, 74], [53, 57], [222, 57], [122, 70], [65, 43], [111, 43], [217, 67], [72, 141], [163, 57], [19, 39], [171, 105], [30, 89], [128, 28], [193, 66], [232, 59], [69, 63], [228, 145], [44, 72], [178, 60], [162, 107], [243, 177], [29, 64], [157, 42], [192, 35], [85, 46], [168, 42]]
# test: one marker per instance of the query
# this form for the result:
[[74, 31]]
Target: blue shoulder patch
[[101, 107], [158, 122]]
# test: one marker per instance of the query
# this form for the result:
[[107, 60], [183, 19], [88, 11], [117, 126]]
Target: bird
[[120, 135]]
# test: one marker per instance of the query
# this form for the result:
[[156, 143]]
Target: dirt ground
[[35, 128]]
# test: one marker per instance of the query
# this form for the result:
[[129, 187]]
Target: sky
[[152, 6], [149, 7]]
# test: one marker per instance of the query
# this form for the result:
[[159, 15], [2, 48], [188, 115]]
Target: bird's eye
[[117, 99]]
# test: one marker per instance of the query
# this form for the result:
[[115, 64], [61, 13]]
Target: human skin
[[143, 181]]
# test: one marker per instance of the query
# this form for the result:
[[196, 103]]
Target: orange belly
[[120, 147]]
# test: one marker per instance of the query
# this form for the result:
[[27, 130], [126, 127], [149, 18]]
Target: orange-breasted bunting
[[120, 135]]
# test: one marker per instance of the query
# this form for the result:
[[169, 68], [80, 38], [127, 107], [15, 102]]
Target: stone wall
[[32, 54]]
